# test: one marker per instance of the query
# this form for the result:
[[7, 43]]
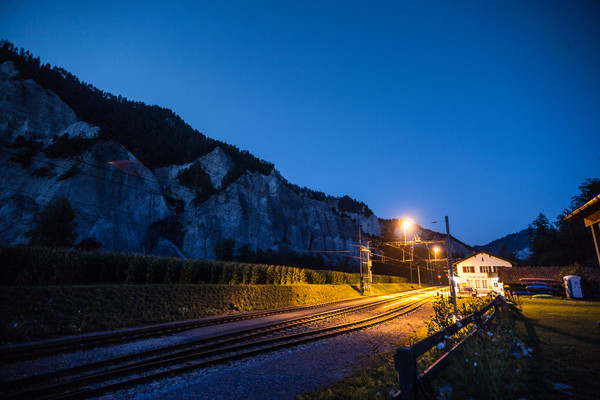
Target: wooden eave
[[589, 212]]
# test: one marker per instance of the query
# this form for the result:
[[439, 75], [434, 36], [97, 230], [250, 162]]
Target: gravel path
[[287, 373]]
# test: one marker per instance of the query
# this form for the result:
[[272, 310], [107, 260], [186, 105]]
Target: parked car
[[467, 291]]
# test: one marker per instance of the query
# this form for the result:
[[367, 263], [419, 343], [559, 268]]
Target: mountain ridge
[[514, 246]]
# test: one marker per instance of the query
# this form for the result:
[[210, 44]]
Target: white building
[[480, 272]]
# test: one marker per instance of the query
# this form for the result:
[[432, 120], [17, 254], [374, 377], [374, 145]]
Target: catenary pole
[[362, 283], [451, 268]]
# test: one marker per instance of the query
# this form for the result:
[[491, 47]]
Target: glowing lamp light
[[405, 224]]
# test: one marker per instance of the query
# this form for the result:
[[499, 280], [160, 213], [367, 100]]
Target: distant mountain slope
[[514, 244]]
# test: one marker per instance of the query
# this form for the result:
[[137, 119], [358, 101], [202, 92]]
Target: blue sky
[[487, 111]]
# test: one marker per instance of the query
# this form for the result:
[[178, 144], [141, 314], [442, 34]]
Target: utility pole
[[360, 266], [410, 261], [451, 268], [429, 265], [412, 251], [366, 275]]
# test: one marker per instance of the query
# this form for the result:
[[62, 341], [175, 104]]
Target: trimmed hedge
[[24, 265]]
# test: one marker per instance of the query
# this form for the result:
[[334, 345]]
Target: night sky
[[487, 111]]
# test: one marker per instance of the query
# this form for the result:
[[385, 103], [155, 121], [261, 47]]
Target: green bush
[[188, 274], [315, 277], [38, 266], [259, 275], [588, 285], [138, 270], [246, 274], [156, 272], [227, 275], [173, 273]]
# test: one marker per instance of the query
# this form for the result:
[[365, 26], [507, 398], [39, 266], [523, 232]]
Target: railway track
[[72, 344], [110, 375]]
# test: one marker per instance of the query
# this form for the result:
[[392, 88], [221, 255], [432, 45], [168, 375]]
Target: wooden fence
[[412, 386]]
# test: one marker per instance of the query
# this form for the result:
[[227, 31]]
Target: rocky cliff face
[[112, 205], [127, 207], [29, 110]]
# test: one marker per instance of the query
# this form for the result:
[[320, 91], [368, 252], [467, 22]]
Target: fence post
[[407, 372]]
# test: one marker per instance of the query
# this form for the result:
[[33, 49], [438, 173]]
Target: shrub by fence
[[33, 265], [412, 386]]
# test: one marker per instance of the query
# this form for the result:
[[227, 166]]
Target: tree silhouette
[[565, 241], [224, 249], [55, 225]]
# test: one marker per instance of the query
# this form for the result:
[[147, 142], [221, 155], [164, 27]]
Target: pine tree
[[55, 225]]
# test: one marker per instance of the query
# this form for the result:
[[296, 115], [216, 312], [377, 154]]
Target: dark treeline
[[564, 242]]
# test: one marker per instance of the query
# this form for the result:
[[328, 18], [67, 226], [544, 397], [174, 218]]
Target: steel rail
[[205, 343], [72, 344], [188, 360]]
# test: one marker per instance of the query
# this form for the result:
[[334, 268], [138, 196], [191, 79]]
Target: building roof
[[590, 212], [478, 253]]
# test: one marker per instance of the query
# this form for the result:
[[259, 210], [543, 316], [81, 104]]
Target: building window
[[477, 283], [468, 269]]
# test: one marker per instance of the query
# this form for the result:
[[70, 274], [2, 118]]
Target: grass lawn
[[565, 361], [565, 337]]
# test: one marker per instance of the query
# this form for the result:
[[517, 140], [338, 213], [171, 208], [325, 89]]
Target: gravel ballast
[[285, 374]]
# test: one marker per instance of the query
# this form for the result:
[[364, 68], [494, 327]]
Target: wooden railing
[[412, 386]]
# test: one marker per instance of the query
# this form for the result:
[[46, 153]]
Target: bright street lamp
[[405, 224]]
